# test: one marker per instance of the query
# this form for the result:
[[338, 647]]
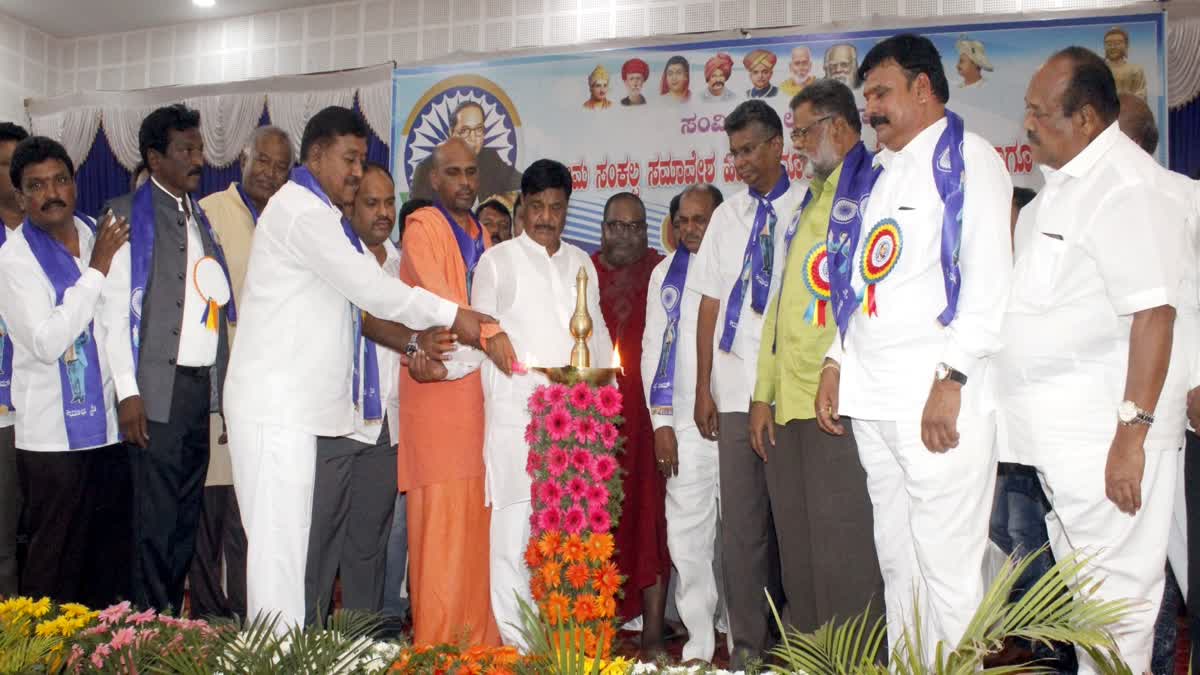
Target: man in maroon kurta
[[624, 263]]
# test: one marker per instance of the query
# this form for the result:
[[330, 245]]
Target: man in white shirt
[[528, 284], [292, 367], [1088, 335], [917, 289], [687, 459], [73, 472], [168, 348], [11, 216], [736, 270], [355, 488]]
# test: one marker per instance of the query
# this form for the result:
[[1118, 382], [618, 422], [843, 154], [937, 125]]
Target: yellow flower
[[48, 628], [74, 609], [618, 666], [40, 608]]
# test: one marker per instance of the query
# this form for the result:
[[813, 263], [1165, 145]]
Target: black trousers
[[78, 510], [10, 513], [221, 539], [1191, 491], [168, 479]]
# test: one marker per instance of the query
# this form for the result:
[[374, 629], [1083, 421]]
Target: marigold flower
[[573, 549], [548, 544], [578, 575], [600, 546], [551, 572], [607, 580], [558, 608], [584, 611], [533, 557]]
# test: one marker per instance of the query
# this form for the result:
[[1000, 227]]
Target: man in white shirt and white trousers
[[528, 284], [685, 457], [291, 369], [918, 304], [1091, 384]]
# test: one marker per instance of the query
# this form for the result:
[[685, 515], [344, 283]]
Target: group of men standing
[[830, 374]]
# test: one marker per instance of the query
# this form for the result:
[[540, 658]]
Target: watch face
[[1127, 411], [942, 371]]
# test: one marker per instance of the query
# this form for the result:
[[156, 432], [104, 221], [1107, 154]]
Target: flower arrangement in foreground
[[125, 641], [577, 495], [418, 660]]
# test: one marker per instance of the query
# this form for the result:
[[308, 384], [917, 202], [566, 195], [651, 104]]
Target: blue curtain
[[1184, 128], [101, 177]]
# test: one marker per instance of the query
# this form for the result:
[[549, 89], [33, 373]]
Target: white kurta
[[532, 294], [693, 495], [931, 510], [1102, 241]]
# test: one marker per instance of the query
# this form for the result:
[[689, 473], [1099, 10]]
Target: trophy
[[580, 368]]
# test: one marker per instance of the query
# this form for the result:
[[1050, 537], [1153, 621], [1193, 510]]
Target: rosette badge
[[880, 252]]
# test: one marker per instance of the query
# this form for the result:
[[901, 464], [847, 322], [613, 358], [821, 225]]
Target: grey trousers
[[395, 599], [811, 494], [353, 497], [10, 512]]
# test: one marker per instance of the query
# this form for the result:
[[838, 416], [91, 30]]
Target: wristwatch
[[1129, 414], [944, 372], [411, 349]]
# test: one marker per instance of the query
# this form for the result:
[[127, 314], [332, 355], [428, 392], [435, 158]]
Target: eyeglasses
[[627, 227], [747, 150], [469, 132], [800, 133]]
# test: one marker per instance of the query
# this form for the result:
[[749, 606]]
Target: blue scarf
[[470, 247], [84, 410], [371, 405], [6, 351], [246, 200], [662, 390], [787, 251], [845, 229], [948, 176], [141, 256], [757, 262]]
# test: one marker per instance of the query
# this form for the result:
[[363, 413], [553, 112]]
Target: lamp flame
[[616, 359]]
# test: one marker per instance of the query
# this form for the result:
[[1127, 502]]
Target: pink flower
[[581, 397], [598, 519], [558, 461], [586, 430], [141, 617], [608, 435], [537, 402], [114, 613], [597, 495], [531, 430], [608, 401], [604, 468], [577, 488], [533, 463], [575, 520], [549, 519], [97, 660], [581, 460], [555, 394], [558, 423], [122, 638], [549, 493], [76, 655]]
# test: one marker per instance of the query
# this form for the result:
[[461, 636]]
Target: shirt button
[[181, 275], [182, 247], [174, 331], [179, 303], [171, 361]]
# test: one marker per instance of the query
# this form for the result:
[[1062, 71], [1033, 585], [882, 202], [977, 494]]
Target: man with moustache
[[1130, 77], [928, 259], [355, 490], [972, 61], [221, 541], [634, 73], [809, 479], [496, 176], [310, 292], [686, 459], [528, 284], [841, 64], [801, 67], [71, 468], [441, 464], [736, 269], [11, 215], [495, 217], [717, 72], [624, 263], [760, 65], [172, 294]]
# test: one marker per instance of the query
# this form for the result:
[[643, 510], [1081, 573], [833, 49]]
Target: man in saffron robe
[[440, 454], [624, 264]]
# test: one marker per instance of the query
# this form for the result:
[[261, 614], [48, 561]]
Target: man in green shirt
[[825, 528]]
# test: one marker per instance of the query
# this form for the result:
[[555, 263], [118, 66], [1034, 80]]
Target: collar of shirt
[[528, 242], [1083, 162], [818, 185], [188, 209]]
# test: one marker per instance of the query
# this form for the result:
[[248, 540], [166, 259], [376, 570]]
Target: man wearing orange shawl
[[440, 455]]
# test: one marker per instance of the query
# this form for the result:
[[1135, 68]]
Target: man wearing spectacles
[[496, 177], [735, 272]]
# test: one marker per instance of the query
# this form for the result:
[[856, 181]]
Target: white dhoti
[[1177, 544], [1127, 552], [692, 511], [931, 515], [510, 576], [274, 468]]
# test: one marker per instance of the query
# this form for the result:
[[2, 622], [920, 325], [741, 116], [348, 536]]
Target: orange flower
[[600, 546], [533, 557], [551, 572], [538, 588], [505, 655], [584, 611], [607, 633], [558, 608], [573, 549], [608, 579], [578, 575], [604, 606], [589, 642], [548, 545]]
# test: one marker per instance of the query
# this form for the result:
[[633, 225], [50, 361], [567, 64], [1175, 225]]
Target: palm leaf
[[557, 650]]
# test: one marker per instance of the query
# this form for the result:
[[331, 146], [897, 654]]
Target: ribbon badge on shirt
[[881, 250], [845, 228], [662, 389], [816, 279], [209, 279]]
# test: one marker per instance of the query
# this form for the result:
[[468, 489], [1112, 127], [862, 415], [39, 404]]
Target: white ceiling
[[75, 18]]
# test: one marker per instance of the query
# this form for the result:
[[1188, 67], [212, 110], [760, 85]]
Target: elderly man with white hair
[[233, 212], [972, 61]]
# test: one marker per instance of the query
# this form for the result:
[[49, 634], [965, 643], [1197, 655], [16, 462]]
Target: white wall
[[365, 32], [29, 66]]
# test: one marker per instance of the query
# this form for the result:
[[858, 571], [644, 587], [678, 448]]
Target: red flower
[[581, 460], [531, 430], [586, 430], [549, 518], [581, 397], [596, 494], [555, 394], [608, 401], [557, 461], [608, 435], [575, 520], [603, 468], [537, 402], [577, 488], [549, 493], [598, 519], [533, 463], [558, 423]]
